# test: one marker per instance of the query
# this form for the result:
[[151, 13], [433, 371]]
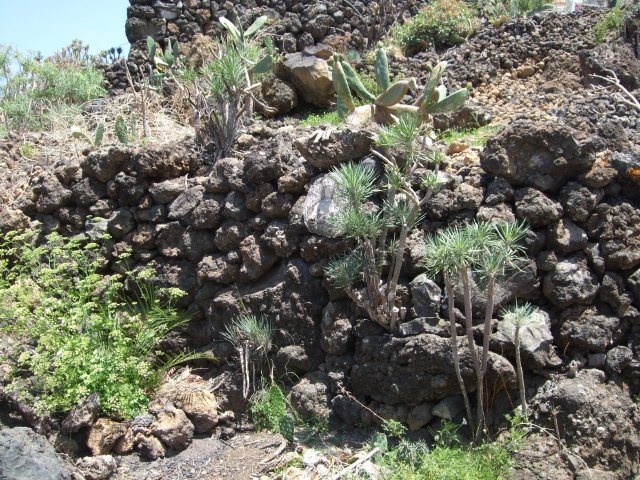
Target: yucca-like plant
[[387, 106], [381, 233], [252, 338], [517, 317], [490, 251]]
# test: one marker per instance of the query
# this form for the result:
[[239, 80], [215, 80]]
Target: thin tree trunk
[[523, 394], [486, 337], [454, 349], [393, 284]]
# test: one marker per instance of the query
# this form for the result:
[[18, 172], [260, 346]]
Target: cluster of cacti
[[123, 132], [98, 136], [386, 107]]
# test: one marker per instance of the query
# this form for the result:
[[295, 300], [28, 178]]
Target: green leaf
[[434, 79], [122, 130], [344, 102], [232, 29], [151, 47], [450, 103], [353, 79], [382, 69], [81, 136], [286, 426], [395, 93], [265, 65], [255, 26], [99, 135]]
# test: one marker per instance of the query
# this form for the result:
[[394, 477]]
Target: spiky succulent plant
[[385, 107]]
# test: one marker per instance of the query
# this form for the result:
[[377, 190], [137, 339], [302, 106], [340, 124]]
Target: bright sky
[[49, 25]]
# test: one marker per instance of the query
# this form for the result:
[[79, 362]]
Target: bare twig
[[624, 95], [355, 465]]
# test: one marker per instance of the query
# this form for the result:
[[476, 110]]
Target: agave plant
[[385, 107]]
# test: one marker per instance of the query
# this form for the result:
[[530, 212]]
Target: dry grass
[[25, 156]]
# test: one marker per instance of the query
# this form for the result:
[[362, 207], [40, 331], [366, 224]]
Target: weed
[[394, 428], [78, 332], [271, 411], [476, 137], [318, 119], [443, 23], [29, 151], [613, 21]]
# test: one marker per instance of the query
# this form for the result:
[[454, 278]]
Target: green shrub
[[443, 23], [613, 21], [270, 411], [33, 91], [448, 459], [78, 333]]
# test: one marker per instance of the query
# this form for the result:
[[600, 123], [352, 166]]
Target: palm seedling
[[252, 338], [488, 250], [405, 145], [518, 317], [387, 106]]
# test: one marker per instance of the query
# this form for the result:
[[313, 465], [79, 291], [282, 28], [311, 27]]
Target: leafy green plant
[[79, 333], [612, 21], [29, 150], [443, 23], [394, 428], [381, 233], [270, 411], [318, 119], [449, 458], [488, 250], [527, 7], [252, 338], [386, 106], [476, 137], [516, 318], [33, 91]]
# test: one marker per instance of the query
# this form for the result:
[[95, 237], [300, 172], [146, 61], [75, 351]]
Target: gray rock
[[449, 408], [167, 191], [498, 191], [256, 259], [321, 206], [83, 415], [613, 293], [97, 468], [571, 282], [416, 369], [121, 223], [310, 397], [278, 95], [536, 341], [447, 202], [420, 416], [104, 164], [88, 191], [217, 268], [25, 455], [540, 155], [426, 297], [566, 237], [277, 205], [235, 207], [619, 358], [150, 447], [335, 146], [52, 195], [417, 326], [579, 201], [536, 208], [185, 203], [590, 329], [598, 419], [293, 358], [633, 283], [336, 327], [229, 235]]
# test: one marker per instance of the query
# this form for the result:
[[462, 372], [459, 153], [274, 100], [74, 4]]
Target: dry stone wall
[[296, 24], [232, 234]]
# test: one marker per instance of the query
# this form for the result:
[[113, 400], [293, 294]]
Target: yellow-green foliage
[[318, 119], [34, 91], [75, 331], [613, 21], [443, 23]]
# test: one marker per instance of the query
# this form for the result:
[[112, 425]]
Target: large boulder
[[25, 455], [173, 427], [310, 397], [104, 435], [597, 420], [278, 96], [97, 468], [590, 329], [417, 369], [571, 282], [326, 149], [542, 155], [83, 415], [311, 77]]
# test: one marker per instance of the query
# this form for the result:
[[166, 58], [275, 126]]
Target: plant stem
[[523, 394], [454, 348], [486, 337]]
